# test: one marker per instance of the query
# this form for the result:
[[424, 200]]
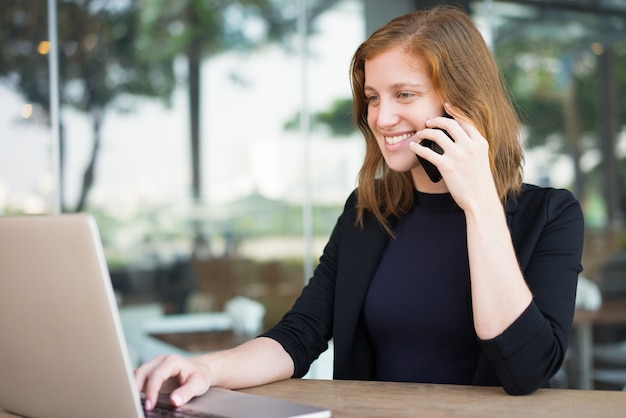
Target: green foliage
[[337, 119], [99, 64], [544, 74], [170, 28], [98, 57]]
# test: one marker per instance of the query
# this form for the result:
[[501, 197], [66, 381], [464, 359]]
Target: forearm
[[499, 292], [256, 362]]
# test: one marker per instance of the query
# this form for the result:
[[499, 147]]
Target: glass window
[[181, 134], [564, 64]]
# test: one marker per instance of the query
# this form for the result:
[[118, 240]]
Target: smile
[[398, 138]]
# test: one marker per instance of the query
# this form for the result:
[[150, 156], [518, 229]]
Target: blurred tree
[[337, 119], [200, 29], [549, 81], [99, 64], [563, 85]]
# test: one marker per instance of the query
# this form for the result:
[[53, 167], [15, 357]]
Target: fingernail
[[147, 404], [176, 400]]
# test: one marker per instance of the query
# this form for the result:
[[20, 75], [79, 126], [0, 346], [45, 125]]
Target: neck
[[423, 184]]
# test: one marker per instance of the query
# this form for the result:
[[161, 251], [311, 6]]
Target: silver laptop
[[62, 349]]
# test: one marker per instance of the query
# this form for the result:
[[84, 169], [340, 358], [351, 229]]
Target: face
[[400, 99]]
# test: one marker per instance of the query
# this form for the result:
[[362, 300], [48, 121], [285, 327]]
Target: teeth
[[395, 139]]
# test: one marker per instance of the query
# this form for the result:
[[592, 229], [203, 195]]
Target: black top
[[420, 293], [547, 233]]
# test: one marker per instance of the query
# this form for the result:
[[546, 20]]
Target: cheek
[[371, 119]]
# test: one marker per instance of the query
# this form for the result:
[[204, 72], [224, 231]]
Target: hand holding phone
[[430, 168]]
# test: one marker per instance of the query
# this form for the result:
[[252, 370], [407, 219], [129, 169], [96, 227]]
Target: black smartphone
[[433, 172]]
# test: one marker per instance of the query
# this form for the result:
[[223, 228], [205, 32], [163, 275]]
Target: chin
[[402, 165]]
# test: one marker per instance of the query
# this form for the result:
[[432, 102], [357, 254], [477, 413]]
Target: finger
[[464, 122], [193, 386], [424, 151], [160, 373], [142, 372], [439, 142]]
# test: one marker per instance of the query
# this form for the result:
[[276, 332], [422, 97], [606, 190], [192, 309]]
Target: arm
[[524, 285], [547, 230], [305, 330], [523, 280], [499, 292], [256, 362]]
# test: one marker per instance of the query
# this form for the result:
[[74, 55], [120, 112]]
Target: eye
[[371, 99], [405, 95]]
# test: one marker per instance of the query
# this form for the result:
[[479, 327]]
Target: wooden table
[[361, 399], [387, 399]]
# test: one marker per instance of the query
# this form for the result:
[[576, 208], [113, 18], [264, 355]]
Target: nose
[[386, 115]]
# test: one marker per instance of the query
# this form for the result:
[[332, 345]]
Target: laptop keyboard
[[165, 411]]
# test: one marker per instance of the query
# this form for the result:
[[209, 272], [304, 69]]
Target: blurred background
[[212, 139]]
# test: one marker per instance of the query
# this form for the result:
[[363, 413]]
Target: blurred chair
[[577, 370], [609, 351], [608, 360]]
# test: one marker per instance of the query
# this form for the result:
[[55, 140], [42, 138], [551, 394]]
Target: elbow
[[532, 371], [516, 390], [528, 383]]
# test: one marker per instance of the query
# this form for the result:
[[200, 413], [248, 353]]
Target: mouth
[[392, 140]]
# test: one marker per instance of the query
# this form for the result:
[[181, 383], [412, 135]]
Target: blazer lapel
[[361, 250]]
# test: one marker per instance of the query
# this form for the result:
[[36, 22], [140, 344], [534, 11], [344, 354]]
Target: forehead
[[396, 65]]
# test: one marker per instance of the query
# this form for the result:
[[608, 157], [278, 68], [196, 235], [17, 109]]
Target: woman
[[466, 280]]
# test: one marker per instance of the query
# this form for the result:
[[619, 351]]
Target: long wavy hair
[[465, 74]]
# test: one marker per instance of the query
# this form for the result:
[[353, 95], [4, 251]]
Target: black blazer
[[547, 230]]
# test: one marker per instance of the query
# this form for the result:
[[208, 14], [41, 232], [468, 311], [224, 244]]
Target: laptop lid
[[62, 349]]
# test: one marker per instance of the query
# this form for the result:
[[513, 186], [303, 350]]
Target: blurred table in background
[[611, 312], [201, 341]]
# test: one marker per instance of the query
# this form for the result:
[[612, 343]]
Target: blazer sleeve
[[304, 331], [547, 228]]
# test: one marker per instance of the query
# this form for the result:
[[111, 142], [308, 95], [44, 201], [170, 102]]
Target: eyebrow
[[397, 86]]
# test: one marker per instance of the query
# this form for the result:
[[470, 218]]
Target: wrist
[[209, 365]]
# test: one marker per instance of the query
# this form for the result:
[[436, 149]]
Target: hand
[[180, 377], [464, 165]]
